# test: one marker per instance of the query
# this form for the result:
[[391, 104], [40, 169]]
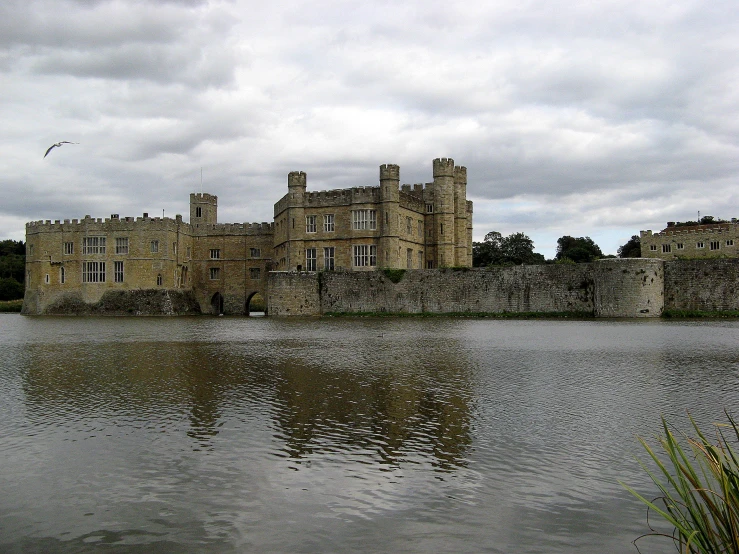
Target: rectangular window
[[666, 248], [121, 245], [255, 252], [69, 248], [46, 279], [154, 246], [409, 258], [93, 272], [409, 225], [62, 275], [420, 233], [215, 253], [174, 248], [254, 273], [364, 219], [328, 223], [730, 242], [189, 252], [680, 246], [715, 245], [441, 228], [429, 264], [310, 223], [159, 280], [700, 244], [365, 255], [118, 272], [310, 259], [328, 258], [198, 212], [215, 273], [653, 247], [429, 208], [420, 260], [93, 245]]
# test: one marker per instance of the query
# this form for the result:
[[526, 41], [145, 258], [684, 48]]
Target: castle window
[[730, 242], [429, 264], [364, 219], [61, 275], [254, 273], [715, 245], [409, 225], [68, 248], [118, 272], [420, 232], [255, 252], [310, 259], [215, 273], [215, 254], [429, 208], [93, 245], [328, 258], [328, 223], [174, 248], [47, 279], [700, 244], [365, 255], [154, 246], [653, 247], [409, 258], [680, 246], [198, 212], [441, 228], [310, 223], [420, 260], [93, 272], [159, 280], [121, 245], [189, 252], [666, 248]]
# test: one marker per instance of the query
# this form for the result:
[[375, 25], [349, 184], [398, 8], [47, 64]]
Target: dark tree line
[[515, 249], [12, 269]]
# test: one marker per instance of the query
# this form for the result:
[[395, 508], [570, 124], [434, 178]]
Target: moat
[[342, 435]]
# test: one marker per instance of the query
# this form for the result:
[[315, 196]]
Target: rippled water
[[341, 435]]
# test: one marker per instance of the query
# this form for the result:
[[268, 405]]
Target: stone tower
[[297, 182], [389, 199], [203, 209], [443, 219]]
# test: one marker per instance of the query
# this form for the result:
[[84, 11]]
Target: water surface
[[342, 435]]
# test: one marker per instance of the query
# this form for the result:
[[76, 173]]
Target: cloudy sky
[[573, 118]]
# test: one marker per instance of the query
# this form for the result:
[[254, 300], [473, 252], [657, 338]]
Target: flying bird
[[58, 144]]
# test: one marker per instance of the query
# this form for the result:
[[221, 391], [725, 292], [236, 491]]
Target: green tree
[[632, 249], [12, 269], [579, 250], [515, 249]]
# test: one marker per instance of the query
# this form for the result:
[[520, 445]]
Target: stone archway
[[256, 305], [216, 304]]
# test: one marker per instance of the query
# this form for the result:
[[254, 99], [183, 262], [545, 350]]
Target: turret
[[389, 182], [296, 185], [203, 209], [444, 211]]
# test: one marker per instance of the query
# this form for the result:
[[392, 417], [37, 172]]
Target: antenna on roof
[[201, 179]]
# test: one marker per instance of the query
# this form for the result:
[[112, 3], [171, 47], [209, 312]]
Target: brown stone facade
[[223, 266], [716, 240]]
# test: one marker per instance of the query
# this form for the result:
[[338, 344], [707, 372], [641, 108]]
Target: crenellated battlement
[[107, 224], [297, 179], [460, 174], [443, 167], [222, 229], [411, 201], [389, 172]]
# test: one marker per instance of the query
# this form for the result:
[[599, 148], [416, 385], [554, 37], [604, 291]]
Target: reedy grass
[[699, 487]]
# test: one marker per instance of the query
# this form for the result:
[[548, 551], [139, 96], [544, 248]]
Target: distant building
[[224, 265], [710, 240]]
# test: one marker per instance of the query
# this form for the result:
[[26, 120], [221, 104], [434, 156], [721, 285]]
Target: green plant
[[699, 487], [395, 275]]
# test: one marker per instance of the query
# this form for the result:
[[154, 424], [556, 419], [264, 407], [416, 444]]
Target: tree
[[515, 249], [632, 249], [12, 269], [579, 250]]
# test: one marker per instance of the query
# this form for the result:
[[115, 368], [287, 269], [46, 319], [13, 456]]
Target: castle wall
[[632, 287], [294, 294], [717, 240], [707, 285]]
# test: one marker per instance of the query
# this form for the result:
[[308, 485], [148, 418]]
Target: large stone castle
[[164, 265], [709, 240]]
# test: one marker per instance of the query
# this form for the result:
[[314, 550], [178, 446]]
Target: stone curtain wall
[[706, 285], [293, 294], [554, 288]]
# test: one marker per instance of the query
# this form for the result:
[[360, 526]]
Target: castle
[[208, 267], [710, 240]]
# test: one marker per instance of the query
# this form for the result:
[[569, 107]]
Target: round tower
[[444, 211], [389, 182], [389, 209]]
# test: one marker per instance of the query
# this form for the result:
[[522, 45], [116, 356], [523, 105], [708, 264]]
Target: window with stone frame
[[215, 253], [310, 259], [255, 252], [364, 220], [154, 246], [328, 258], [715, 244], [68, 248], [666, 248], [255, 273], [93, 272], [328, 223], [215, 273], [118, 272], [310, 223], [365, 255], [121, 245], [93, 245]]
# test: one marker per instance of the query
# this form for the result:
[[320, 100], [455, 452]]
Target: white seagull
[[58, 144]]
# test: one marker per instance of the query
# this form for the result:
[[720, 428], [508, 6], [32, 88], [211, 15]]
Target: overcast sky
[[573, 118]]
